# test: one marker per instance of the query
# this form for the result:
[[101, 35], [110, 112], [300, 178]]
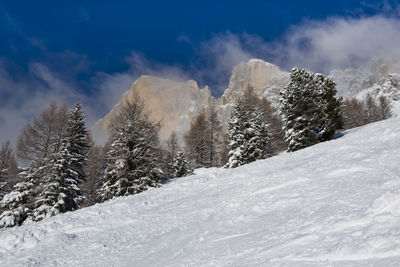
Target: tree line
[[65, 170]]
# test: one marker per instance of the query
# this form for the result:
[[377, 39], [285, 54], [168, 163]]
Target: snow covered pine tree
[[18, 203], [134, 157], [61, 192], [180, 165], [236, 136], [248, 133], [50, 186], [310, 110]]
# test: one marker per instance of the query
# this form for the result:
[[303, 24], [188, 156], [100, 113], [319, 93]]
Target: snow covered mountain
[[332, 204]]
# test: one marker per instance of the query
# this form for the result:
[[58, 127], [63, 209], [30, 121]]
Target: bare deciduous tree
[[371, 109], [43, 136], [214, 136], [172, 147], [94, 169], [385, 108], [8, 169], [196, 140], [354, 113]]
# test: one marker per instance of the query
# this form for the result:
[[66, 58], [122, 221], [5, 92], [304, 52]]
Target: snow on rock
[[334, 204]]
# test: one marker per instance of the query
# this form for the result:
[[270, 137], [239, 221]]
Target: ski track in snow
[[334, 204]]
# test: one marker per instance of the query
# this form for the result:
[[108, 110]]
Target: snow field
[[334, 204]]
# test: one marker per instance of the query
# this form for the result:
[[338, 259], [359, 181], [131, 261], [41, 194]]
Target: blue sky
[[93, 50], [105, 32]]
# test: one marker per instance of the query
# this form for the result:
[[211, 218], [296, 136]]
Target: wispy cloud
[[339, 43]]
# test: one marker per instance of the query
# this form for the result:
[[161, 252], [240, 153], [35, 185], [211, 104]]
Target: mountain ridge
[[160, 95]]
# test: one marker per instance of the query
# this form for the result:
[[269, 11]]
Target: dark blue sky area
[[107, 31]]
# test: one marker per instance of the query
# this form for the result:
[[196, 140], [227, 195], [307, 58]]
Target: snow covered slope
[[336, 204]]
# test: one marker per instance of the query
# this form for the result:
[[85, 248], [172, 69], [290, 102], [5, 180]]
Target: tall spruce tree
[[248, 135], [134, 157], [236, 136], [258, 136], [50, 185], [61, 191]]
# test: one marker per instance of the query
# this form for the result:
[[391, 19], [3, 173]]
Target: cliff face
[[174, 103], [266, 79]]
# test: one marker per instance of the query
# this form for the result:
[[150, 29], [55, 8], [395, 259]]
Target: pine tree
[[258, 145], [310, 110], [50, 185], [236, 136], [134, 157], [180, 165], [275, 125], [249, 137], [59, 191], [298, 110], [18, 204], [329, 108], [76, 142]]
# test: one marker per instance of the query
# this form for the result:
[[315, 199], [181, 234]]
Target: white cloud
[[339, 43]]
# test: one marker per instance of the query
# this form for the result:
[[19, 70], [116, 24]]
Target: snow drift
[[336, 203]]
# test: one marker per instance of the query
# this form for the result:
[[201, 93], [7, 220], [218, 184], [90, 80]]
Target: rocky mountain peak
[[264, 77], [173, 103]]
